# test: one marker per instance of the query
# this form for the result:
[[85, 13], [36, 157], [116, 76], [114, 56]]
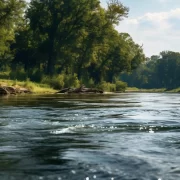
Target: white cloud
[[158, 31], [163, 15]]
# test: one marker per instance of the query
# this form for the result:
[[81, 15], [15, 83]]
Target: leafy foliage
[[65, 42], [11, 12], [121, 86], [158, 72]]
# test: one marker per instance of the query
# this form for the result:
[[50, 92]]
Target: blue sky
[[153, 23]]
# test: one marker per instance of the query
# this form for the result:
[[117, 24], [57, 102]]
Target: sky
[[155, 24]]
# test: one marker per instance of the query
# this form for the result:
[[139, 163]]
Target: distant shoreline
[[134, 89]]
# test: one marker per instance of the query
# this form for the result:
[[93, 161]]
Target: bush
[[19, 74], [91, 83], [56, 82], [71, 81], [4, 75], [106, 86], [36, 75], [87, 81], [121, 86], [62, 80]]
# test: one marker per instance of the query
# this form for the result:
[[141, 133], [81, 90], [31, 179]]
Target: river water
[[130, 136]]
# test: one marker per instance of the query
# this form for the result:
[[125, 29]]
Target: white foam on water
[[63, 131], [71, 129]]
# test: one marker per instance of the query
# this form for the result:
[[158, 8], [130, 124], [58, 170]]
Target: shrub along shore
[[58, 86], [18, 87], [52, 84]]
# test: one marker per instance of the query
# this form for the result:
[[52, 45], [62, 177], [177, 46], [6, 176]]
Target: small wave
[[71, 129], [63, 131]]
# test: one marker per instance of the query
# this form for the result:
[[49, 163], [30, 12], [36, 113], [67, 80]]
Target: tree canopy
[[11, 14], [67, 36], [161, 71]]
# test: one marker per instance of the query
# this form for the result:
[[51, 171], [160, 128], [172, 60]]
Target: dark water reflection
[[76, 137]]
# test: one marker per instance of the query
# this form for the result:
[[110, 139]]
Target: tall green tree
[[59, 22], [161, 71], [11, 14], [76, 37], [123, 54]]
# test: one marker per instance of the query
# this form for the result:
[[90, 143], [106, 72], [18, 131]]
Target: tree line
[[69, 37], [159, 71]]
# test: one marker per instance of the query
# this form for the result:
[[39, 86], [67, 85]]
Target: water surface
[[131, 136]]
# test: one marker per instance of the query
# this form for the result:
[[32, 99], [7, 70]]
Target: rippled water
[[133, 136]]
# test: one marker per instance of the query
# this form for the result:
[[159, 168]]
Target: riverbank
[[39, 88], [35, 88], [134, 89]]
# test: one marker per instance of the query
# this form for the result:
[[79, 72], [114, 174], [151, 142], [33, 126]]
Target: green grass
[[34, 87], [48, 85], [4, 75], [177, 90], [134, 89]]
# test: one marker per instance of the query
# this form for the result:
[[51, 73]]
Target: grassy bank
[[34, 87], [42, 88], [47, 84], [134, 89], [52, 85], [177, 90]]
